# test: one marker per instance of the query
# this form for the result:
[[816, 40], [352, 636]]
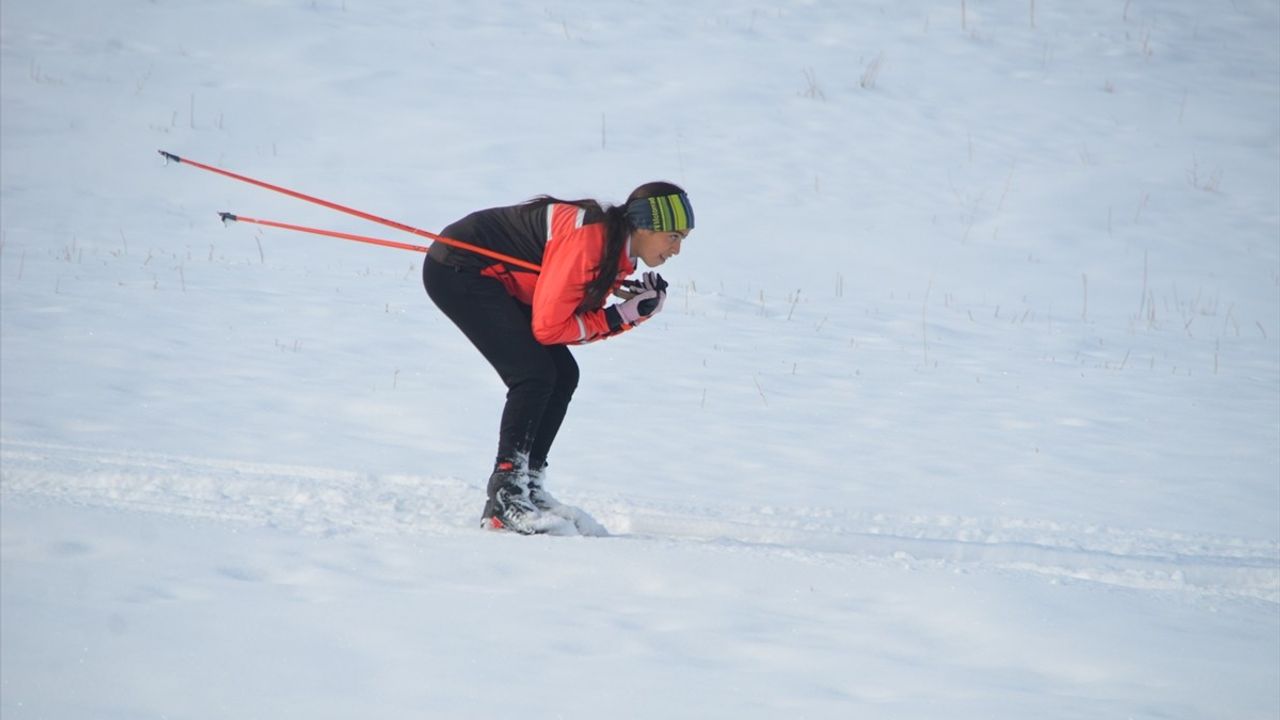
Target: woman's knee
[[566, 373], [534, 374], [549, 375]]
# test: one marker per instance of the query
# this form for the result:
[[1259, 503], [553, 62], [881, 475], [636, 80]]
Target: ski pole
[[168, 156], [232, 217]]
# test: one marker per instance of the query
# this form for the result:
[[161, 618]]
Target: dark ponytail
[[617, 228]]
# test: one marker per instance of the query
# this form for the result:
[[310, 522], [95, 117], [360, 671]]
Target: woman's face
[[654, 247]]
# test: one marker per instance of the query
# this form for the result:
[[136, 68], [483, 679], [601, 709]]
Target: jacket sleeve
[[568, 264]]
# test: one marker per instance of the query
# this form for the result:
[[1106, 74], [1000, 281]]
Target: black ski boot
[[508, 506], [538, 494]]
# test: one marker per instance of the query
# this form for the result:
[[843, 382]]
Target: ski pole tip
[[227, 217], [170, 157]]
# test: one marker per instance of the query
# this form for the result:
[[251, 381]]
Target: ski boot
[[548, 505], [508, 506], [538, 494]]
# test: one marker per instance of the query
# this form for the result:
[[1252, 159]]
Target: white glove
[[640, 307], [649, 282]]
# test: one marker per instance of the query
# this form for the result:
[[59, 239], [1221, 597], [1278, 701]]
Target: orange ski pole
[[168, 156], [231, 217]]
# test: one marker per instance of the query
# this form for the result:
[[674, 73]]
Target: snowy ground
[[966, 403]]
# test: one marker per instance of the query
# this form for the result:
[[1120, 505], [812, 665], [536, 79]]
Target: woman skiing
[[522, 321]]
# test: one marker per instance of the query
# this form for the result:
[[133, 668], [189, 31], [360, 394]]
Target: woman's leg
[[557, 404], [498, 325]]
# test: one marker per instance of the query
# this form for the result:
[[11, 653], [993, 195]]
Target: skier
[[522, 321]]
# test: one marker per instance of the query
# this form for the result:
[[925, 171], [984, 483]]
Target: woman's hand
[[644, 299], [653, 283], [649, 281]]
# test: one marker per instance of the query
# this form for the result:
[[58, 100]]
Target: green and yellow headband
[[663, 213]]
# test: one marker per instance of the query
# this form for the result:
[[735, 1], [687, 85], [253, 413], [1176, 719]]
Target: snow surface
[[966, 402]]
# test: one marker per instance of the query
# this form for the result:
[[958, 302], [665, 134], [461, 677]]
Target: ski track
[[329, 502]]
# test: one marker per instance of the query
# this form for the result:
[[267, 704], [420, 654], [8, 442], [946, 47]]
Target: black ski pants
[[540, 379]]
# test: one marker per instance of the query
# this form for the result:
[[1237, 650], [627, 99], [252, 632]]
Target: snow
[[965, 403]]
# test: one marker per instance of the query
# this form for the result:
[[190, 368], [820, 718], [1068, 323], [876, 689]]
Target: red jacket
[[566, 240]]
